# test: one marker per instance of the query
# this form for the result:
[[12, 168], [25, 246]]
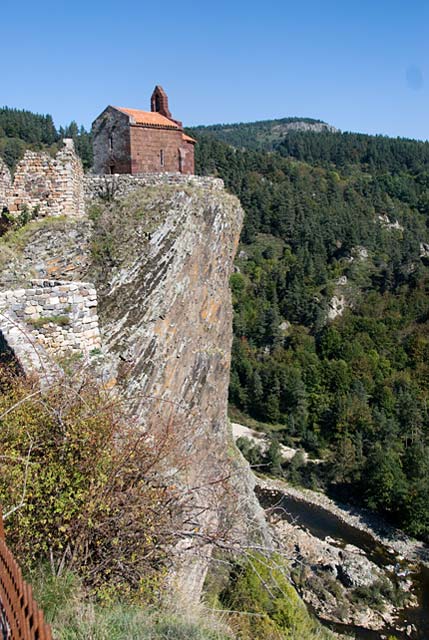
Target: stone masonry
[[47, 186], [57, 315], [5, 185]]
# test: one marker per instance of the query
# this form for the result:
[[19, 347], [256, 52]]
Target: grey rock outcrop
[[166, 316], [302, 125]]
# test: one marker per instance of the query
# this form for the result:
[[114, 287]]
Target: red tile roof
[[188, 138], [149, 118]]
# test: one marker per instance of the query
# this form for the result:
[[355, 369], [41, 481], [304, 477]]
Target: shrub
[[78, 486], [265, 606]]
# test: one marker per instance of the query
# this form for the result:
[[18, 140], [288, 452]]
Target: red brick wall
[[188, 161], [147, 145]]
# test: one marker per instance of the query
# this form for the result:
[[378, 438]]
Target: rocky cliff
[[160, 259]]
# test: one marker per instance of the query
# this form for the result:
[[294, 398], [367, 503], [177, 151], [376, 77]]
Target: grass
[[74, 615], [61, 321], [15, 240], [276, 613], [261, 604]]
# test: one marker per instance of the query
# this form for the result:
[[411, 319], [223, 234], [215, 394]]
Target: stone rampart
[[48, 186], [5, 185], [118, 185], [57, 315]]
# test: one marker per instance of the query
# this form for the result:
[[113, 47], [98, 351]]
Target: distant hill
[[263, 135]]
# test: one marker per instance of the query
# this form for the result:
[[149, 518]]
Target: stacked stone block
[[60, 316], [5, 185], [49, 186], [120, 185]]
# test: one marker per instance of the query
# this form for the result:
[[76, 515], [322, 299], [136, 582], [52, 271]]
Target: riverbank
[[363, 520], [360, 576]]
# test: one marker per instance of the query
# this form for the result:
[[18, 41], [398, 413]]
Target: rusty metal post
[[2, 536], [18, 609]]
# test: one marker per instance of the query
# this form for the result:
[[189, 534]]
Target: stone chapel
[[134, 141]]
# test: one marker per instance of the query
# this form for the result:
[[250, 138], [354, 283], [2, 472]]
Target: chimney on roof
[[159, 102]]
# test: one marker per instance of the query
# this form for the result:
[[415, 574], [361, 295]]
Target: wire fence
[[20, 617]]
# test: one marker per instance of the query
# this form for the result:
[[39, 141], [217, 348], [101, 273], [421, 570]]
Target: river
[[321, 523]]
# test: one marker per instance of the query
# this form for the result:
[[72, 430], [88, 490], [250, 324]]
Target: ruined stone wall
[[5, 184], [49, 186], [121, 185], [60, 316]]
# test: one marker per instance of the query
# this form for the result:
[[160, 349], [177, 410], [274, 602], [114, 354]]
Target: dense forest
[[336, 225], [21, 130]]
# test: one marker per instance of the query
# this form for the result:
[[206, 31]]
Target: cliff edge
[[159, 257]]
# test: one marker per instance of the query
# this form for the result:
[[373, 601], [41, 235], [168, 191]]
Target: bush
[[265, 606], [78, 487]]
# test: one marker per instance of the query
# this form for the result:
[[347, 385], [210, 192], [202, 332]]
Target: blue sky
[[360, 65]]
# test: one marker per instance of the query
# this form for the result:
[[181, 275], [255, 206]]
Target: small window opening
[[112, 169], [161, 157], [110, 143], [181, 159]]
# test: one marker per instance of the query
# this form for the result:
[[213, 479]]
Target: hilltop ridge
[[261, 135]]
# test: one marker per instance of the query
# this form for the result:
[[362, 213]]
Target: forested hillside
[[263, 135], [21, 130], [331, 304]]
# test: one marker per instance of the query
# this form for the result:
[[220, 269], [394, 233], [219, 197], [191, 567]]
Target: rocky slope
[[262, 135]]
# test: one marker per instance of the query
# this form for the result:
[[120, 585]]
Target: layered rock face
[[160, 259], [166, 317]]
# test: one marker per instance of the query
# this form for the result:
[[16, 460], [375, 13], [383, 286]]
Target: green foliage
[[82, 142], [264, 604], [376, 595], [21, 130], [27, 126], [61, 321], [354, 390], [259, 136], [250, 451], [79, 486], [74, 615], [392, 156]]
